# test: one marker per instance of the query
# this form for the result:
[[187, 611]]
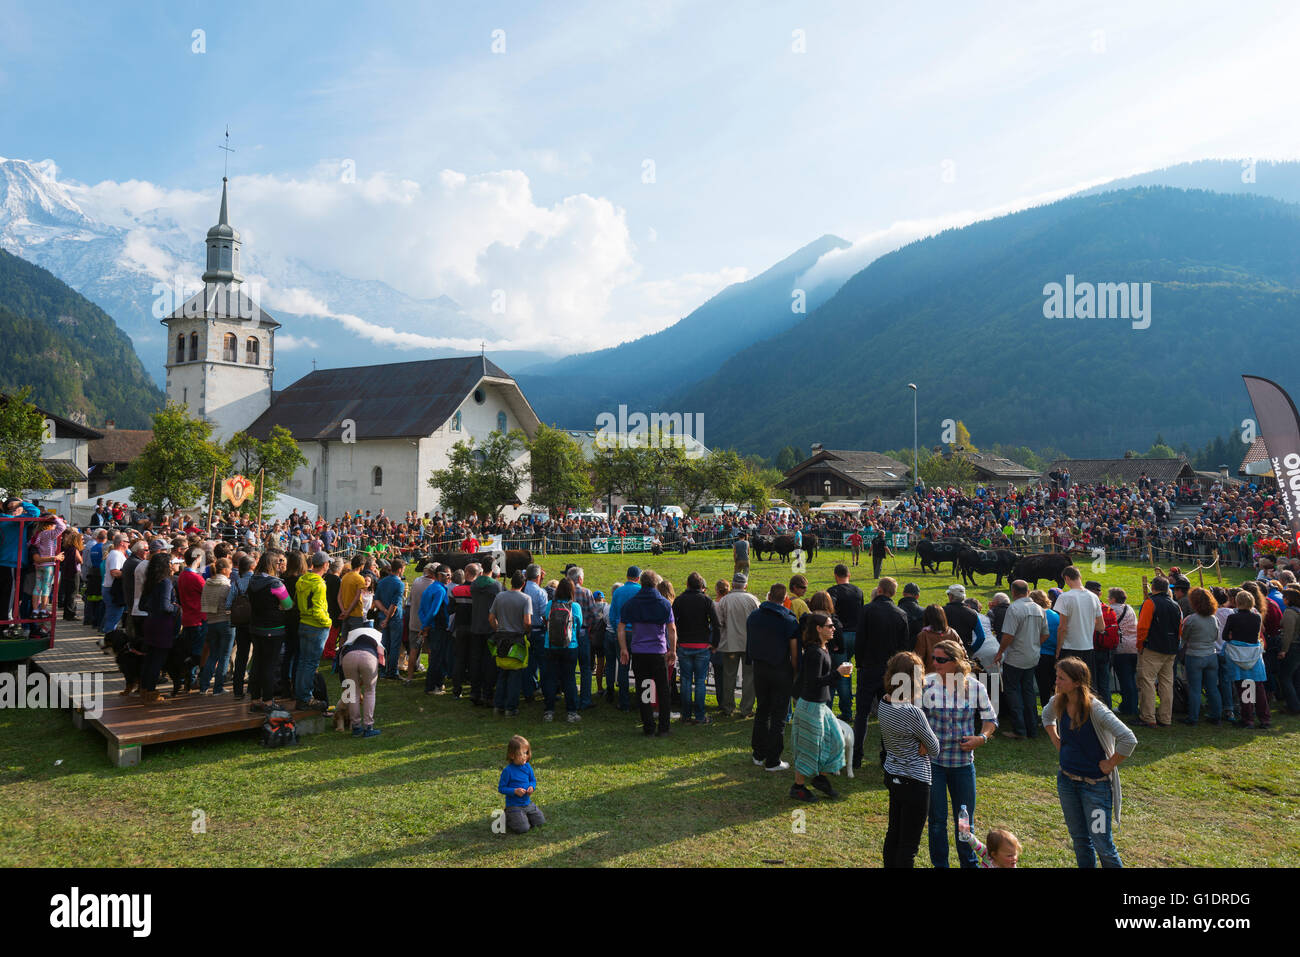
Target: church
[[371, 434]]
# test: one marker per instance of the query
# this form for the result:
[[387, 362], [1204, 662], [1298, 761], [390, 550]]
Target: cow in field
[[758, 544], [995, 561], [1043, 565], [933, 554]]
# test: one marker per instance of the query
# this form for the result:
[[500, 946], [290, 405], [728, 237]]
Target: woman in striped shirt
[[907, 739]]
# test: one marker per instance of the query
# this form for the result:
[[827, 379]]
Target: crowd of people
[[260, 611]]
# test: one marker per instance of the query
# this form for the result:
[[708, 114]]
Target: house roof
[[867, 469], [1258, 452], [396, 400], [997, 466], [120, 445], [63, 428], [63, 471], [1125, 470]]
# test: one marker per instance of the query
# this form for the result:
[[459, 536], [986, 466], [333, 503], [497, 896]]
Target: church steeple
[[223, 248]]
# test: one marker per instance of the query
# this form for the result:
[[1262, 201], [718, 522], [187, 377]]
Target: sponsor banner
[[632, 543], [1279, 427], [892, 539]]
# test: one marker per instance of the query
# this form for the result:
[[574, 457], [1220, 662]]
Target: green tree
[[279, 455], [787, 458], [175, 469], [484, 479], [712, 476], [1159, 450], [941, 470], [558, 471], [22, 428], [962, 439]]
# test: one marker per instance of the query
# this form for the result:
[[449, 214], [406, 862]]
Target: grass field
[[424, 792]]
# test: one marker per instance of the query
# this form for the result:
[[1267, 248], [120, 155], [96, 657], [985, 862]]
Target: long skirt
[[816, 739]]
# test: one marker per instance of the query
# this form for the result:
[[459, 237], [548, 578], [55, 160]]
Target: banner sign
[[632, 543], [892, 539], [237, 489], [1279, 427]]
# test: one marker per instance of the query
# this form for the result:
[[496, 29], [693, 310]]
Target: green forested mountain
[[69, 350], [961, 314]]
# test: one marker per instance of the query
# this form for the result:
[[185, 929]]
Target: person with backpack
[[511, 618], [1200, 634], [1104, 643], [269, 600], [698, 633], [313, 630], [158, 598], [483, 590], [241, 614], [1124, 657], [1159, 623], [563, 619], [647, 639]]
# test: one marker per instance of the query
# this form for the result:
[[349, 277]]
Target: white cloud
[[288, 342], [480, 239]]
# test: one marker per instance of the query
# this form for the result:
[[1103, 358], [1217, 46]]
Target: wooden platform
[[127, 723]]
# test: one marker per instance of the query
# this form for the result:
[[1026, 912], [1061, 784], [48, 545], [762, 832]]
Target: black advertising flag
[[1279, 427]]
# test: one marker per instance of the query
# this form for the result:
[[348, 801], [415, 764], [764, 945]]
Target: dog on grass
[[342, 718], [846, 731], [129, 654]]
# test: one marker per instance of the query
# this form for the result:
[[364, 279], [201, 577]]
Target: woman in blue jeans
[[1200, 633], [954, 704], [1091, 742], [1125, 656]]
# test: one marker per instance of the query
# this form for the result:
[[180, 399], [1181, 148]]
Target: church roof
[[396, 400], [223, 300]]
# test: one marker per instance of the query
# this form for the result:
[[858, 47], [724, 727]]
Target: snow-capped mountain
[[129, 268]]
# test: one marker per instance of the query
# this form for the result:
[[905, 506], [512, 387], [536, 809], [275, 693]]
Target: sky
[[609, 166]]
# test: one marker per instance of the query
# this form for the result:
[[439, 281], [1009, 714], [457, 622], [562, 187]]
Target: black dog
[[129, 653]]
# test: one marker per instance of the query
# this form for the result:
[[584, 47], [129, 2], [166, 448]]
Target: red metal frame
[[13, 614]]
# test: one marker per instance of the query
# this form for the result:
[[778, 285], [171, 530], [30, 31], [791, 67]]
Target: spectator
[[243, 635], [740, 555], [518, 783], [1157, 638], [537, 650], [954, 702], [1244, 657], [113, 588], [1200, 632], [1024, 629], [511, 618], [483, 590], [734, 609], [617, 598], [936, 630], [313, 630], [848, 608], [389, 595], [189, 592], [1289, 650], [1045, 677], [1091, 743], [562, 623], [270, 600], [1081, 618], [771, 645], [219, 636], [584, 598], [910, 603], [361, 658], [908, 740], [884, 633], [415, 631], [698, 633], [647, 638], [1125, 657], [159, 631], [815, 737], [962, 620]]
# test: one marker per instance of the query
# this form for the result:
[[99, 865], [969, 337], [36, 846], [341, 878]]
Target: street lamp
[[916, 454]]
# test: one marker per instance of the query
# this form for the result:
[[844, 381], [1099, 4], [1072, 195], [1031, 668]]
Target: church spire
[[223, 247]]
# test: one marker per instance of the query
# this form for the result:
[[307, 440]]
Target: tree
[[787, 458], [22, 428], [962, 441], [175, 469], [1159, 450], [711, 476], [558, 472], [279, 455], [943, 470], [481, 480]]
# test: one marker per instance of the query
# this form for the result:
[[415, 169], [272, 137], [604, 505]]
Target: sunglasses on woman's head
[[941, 660]]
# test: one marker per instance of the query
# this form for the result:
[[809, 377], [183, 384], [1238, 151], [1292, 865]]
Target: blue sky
[[894, 117]]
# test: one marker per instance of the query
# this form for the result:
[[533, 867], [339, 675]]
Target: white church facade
[[371, 434]]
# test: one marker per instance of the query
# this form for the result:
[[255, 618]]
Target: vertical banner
[[1279, 427]]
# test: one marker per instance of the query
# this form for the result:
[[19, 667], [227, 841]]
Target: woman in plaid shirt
[[954, 703]]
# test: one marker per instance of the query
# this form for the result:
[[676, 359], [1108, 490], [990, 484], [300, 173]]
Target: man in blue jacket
[[617, 600], [433, 611], [772, 647]]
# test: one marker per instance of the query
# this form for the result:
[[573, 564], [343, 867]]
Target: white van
[[717, 511]]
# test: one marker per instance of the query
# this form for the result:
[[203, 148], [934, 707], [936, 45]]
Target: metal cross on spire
[[229, 149]]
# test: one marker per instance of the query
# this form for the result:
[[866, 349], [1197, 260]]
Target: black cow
[[517, 559], [810, 543], [1043, 565], [760, 544], [934, 553], [975, 561], [784, 545]]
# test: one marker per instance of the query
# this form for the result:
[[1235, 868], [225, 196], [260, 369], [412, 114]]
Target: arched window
[[194, 347], [230, 347], [501, 422], [377, 478], [180, 348], [252, 348]]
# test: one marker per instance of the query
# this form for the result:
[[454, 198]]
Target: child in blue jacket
[[518, 784]]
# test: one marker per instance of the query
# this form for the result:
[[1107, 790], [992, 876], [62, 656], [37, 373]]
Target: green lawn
[[424, 792]]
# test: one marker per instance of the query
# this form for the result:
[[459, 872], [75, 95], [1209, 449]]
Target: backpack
[[597, 632], [279, 730], [241, 608], [559, 624], [1108, 640]]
